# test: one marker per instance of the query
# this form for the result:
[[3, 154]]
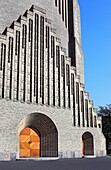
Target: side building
[[44, 108]]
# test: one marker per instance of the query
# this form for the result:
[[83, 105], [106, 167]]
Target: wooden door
[[29, 143], [82, 147], [88, 147]]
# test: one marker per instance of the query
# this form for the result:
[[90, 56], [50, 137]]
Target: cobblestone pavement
[[62, 164]]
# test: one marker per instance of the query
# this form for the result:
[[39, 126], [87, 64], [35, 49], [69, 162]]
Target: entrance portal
[[87, 144], [29, 143], [38, 137]]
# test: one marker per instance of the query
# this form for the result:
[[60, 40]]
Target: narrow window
[[42, 58], [65, 14], [91, 117], [82, 107], [17, 52], [68, 83], [63, 10], [58, 65], [67, 74], [82, 100], [77, 92], [95, 121], [86, 111], [63, 74], [10, 49], [53, 56], [1, 61], [52, 47], [55, 2], [36, 56], [48, 59], [17, 42], [31, 45], [24, 44], [73, 93], [4, 59], [72, 83], [57, 56], [23, 36], [47, 36], [62, 65], [10, 59], [59, 6], [71, 32], [30, 29], [77, 102]]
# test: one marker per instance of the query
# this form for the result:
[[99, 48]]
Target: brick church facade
[[44, 109]]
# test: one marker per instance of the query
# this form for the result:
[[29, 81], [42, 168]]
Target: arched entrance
[[29, 143], [87, 144], [43, 142]]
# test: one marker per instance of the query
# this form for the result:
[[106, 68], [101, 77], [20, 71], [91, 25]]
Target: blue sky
[[96, 45]]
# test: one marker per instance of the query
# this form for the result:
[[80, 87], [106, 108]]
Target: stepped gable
[[45, 110], [16, 31]]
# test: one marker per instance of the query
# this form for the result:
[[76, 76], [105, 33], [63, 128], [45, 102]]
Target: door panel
[[82, 147], [87, 144], [29, 143]]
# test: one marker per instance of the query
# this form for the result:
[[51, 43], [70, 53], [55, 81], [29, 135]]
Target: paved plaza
[[62, 164]]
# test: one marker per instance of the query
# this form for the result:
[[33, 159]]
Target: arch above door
[[45, 131], [87, 144]]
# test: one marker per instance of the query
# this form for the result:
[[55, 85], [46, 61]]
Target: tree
[[105, 113]]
